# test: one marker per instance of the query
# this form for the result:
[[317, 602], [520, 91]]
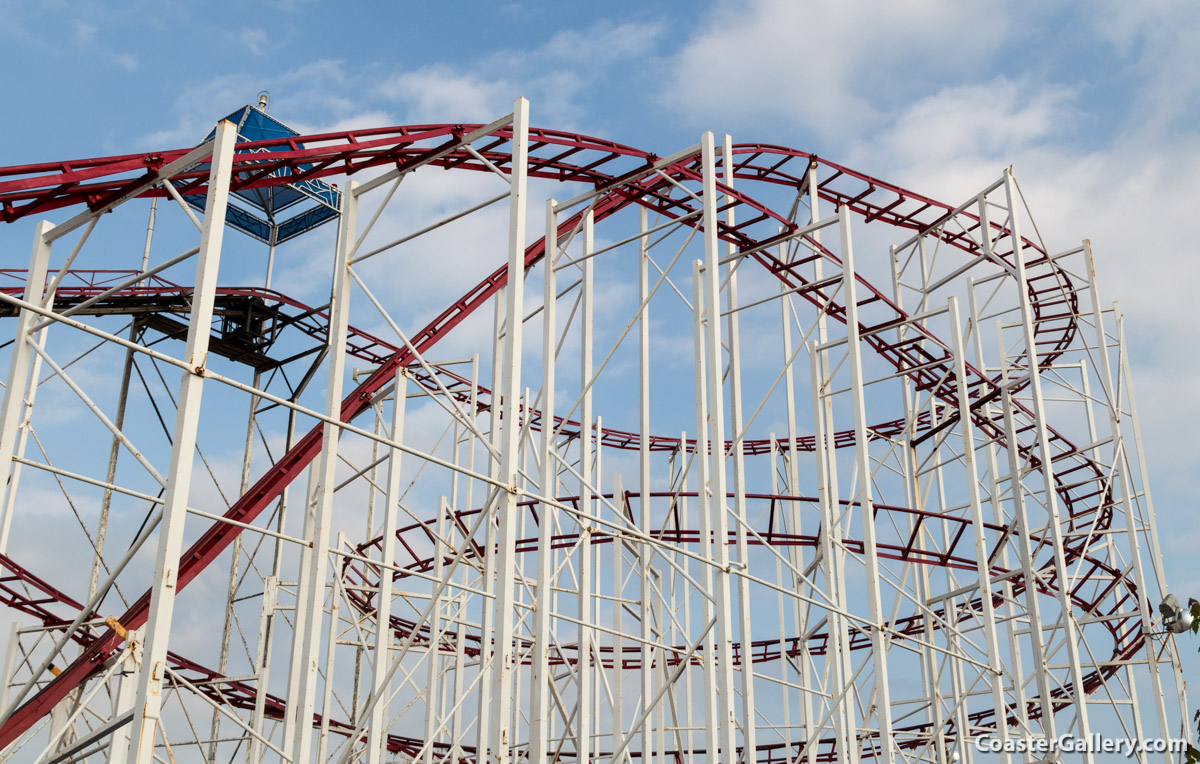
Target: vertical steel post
[[541, 676], [704, 499], [319, 504], [644, 521], [1054, 527], [958, 347], [1121, 479], [179, 476], [20, 381], [330, 656], [266, 624], [716, 452], [866, 504], [506, 506], [235, 555], [584, 717], [615, 685], [377, 727], [118, 748], [1123, 372], [736, 424], [830, 550]]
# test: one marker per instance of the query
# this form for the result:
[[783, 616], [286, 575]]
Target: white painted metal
[[148, 705]]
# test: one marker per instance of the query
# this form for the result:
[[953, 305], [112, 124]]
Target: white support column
[[460, 659], [838, 639], [1016, 674], [506, 507], [1121, 479], [704, 498], [644, 521], [866, 505], [795, 509], [433, 659], [541, 675], [716, 453], [262, 665], [1025, 553], [618, 568], [915, 500], [1053, 527], [483, 715], [118, 749], [584, 719], [327, 705], [832, 554], [377, 728], [981, 543], [319, 503], [737, 423], [179, 476], [20, 381], [9, 671], [1123, 373]]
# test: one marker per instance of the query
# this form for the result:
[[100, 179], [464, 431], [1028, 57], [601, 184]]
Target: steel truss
[[949, 536]]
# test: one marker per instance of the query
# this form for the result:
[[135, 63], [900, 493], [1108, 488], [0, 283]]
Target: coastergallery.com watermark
[[1068, 743]]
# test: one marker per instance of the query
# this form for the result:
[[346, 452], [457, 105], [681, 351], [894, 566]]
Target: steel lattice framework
[[912, 509]]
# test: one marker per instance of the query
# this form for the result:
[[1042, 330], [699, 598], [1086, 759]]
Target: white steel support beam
[[717, 483], [831, 552], [996, 678], [20, 384], [644, 518], [377, 727], [1126, 501], [1025, 556], [483, 714], [796, 509], [737, 424], [542, 678], [586, 686], [183, 447], [866, 505], [1123, 373], [506, 508], [1009, 613], [118, 749], [310, 612], [262, 664], [1071, 628], [704, 499]]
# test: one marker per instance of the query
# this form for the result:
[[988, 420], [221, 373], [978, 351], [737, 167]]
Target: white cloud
[[555, 76], [86, 38], [949, 144], [441, 93], [833, 68], [255, 40]]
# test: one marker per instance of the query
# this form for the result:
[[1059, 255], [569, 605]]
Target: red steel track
[[618, 173]]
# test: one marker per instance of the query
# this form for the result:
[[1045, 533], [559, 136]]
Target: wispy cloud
[[254, 40], [832, 68], [557, 76]]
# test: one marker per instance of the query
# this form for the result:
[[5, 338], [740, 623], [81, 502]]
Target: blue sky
[[1094, 105]]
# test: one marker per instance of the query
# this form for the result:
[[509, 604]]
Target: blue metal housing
[[313, 202]]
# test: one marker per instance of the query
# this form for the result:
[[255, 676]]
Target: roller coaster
[[912, 511]]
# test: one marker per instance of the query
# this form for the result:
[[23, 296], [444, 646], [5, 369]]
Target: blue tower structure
[[259, 212]]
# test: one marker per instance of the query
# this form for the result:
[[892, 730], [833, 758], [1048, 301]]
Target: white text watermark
[[1068, 743]]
